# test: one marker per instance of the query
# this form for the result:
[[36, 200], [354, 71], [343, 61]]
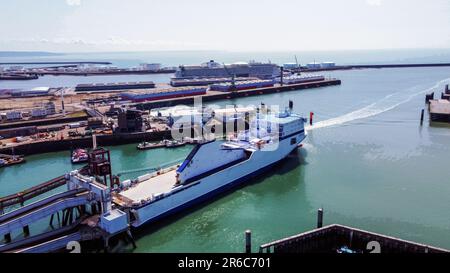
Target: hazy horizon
[[70, 26]]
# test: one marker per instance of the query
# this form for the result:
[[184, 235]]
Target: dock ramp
[[43, 208]]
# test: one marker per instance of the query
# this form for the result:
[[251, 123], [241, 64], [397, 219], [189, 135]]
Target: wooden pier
[[440, 110]]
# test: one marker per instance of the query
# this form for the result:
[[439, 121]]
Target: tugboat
[[11, 160], [79, 156]]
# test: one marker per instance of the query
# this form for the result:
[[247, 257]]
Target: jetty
[[439, 108]]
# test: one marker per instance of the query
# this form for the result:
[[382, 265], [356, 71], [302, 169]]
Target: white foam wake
[[387, 103]]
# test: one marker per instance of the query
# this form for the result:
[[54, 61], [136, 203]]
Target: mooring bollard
[[421, 116], [320, 218], [248, 241]]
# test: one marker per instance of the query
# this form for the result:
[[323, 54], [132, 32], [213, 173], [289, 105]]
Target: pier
[[372, 66], [439, 108]]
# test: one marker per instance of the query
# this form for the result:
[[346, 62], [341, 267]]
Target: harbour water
[[366, 161]]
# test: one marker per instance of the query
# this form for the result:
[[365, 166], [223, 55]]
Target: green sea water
[[366, 161]]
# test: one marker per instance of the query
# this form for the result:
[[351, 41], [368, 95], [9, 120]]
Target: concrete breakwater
[[371, 66]]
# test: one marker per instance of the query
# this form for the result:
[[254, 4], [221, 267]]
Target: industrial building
[[328, 64], [313, 65], [151, 66], [130, 121]]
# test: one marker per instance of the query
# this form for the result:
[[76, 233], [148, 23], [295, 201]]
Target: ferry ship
[[211, 167], [240, 69]]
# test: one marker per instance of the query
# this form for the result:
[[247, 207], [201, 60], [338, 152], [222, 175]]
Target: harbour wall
[[237, 94], [368, 66]]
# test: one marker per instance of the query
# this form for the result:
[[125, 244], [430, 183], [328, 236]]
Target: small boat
[[148, 145], [14, 160], [174, 143], [79, 156], [193, 141]]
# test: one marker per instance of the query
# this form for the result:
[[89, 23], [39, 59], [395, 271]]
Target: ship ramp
[[43, 208]]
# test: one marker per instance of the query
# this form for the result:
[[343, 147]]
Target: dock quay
[[44, 122], [68, 144], [343, 239], [217, 95]]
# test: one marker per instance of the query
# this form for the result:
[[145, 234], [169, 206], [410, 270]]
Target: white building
[[152, 66], [290, 65]]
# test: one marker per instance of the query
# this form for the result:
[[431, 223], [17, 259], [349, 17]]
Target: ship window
[[293, 141]]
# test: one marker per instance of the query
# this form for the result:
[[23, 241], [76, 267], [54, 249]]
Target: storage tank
[[328, 64]]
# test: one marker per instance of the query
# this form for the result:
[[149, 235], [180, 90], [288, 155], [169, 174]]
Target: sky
[[233, 25]]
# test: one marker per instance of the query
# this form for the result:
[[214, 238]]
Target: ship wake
[[387, 103]]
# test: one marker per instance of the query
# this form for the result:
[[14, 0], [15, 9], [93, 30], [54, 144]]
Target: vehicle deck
[[153, 186]]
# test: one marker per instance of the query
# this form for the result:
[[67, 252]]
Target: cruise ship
[[239, 69], [212, 167]]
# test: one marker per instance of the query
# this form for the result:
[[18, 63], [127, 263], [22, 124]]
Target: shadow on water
[[292, 162], [439, 124]]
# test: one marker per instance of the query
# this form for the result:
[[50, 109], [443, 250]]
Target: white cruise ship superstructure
[[212, 167], [239, 69]]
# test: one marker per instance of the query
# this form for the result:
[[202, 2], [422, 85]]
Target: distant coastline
[[28, 54]]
